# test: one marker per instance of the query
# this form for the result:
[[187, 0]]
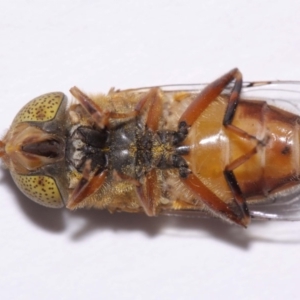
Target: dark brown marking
[[286, 150]]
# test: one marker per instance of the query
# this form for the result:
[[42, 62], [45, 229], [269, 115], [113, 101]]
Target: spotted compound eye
[[41, 189], [41, 109], [34, 149]]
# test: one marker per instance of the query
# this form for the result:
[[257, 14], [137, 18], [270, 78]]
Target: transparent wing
[[283, 94], [284, 205]]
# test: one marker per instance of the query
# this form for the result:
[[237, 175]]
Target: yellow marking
[[40, 109], [41, 189], [181, 96]]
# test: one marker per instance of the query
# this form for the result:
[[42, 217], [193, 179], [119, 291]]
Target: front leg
[[87, 185]]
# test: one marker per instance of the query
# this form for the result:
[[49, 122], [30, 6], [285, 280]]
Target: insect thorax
[[128, 148]]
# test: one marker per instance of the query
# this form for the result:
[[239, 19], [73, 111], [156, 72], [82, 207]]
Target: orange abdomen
[[213, 147]]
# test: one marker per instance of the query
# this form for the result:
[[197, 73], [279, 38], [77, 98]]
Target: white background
[[55, 254]]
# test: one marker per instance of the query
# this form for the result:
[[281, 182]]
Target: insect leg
[[101, 117], [191, 114], [208, 95], [147, 197], [233, 183], [213, 202], [148, 194], [87, 185], [155, 111], [98, 115], [228, 172], [231, 107]]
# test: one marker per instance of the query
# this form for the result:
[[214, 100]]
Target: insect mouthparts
[[49, 148]]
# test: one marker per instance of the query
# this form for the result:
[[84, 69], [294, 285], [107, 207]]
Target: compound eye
[[41, 109], [39, 188]]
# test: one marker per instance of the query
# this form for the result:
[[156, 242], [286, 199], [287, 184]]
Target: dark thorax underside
[[128, 148]]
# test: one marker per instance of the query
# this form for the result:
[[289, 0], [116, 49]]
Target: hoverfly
[[156, 150]]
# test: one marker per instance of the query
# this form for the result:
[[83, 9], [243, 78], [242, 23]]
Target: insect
[[206, 151]]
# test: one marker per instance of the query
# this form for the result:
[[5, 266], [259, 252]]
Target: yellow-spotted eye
[[41, 189], [40, 109]]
